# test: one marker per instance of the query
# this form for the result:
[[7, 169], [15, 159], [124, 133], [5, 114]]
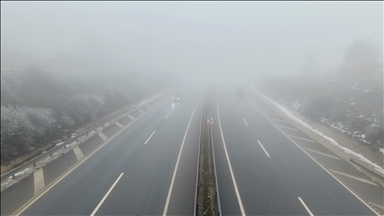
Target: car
[[239, 92], [176, 98], [73, 135]]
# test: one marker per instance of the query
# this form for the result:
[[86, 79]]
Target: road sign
[[209, 120]]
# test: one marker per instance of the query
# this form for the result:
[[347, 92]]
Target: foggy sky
[[192, 38]]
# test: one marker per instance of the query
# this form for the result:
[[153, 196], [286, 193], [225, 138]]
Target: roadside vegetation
[[38, 107], [350, 100]]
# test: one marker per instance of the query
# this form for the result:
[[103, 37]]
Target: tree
[[361, 51], [361, 57]]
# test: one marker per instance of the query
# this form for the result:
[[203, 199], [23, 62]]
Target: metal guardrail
[[33, 161]]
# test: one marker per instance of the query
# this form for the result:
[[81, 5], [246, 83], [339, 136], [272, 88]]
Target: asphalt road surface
[[148, 169], [262, 172]]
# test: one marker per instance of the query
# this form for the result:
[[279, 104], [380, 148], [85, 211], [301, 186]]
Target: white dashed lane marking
[[79, 154], [150, 137], [263, 148], [305, 206], [106, 195], [131, 117], [167, 115], [141, 110], [245, 122]]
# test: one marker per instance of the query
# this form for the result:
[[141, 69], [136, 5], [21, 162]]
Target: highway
[[260, 171], [148, 169]]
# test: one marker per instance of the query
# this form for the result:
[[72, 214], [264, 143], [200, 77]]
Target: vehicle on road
[[176, 98]]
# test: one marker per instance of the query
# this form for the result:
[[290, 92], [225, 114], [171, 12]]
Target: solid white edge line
[[263, 148], [229, 162], [177, 161], [149, 137], [305, 206], [369, 207], [245, 122], [106, 195], [167, 115]]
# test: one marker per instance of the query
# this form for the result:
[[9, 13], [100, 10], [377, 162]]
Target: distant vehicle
[[73, 135], [239, 92], [176, 98]]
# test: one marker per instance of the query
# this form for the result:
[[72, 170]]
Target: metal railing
[[50, 152]]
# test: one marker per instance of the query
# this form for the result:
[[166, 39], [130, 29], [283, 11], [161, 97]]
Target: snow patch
[[346, 150]]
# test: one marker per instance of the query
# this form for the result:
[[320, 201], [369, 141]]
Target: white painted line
[[237, 108], [79, 154], [277, 119], [301, 138], [377, 205], [106, 195], [177, 162], [167, 115], [141, 110], [356, 178], [229, 162], [268, 113], [287, 127], [131, 117], [327, 155], [38, 177], [150, 137], [148, 106], [305, 206], [362, 201], [233, 99], [102, 136], [177, 104], [118, 124], [245, 122], [263, 148]]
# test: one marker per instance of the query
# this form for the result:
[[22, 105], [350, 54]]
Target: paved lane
[[144, 171], [286, 183]]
